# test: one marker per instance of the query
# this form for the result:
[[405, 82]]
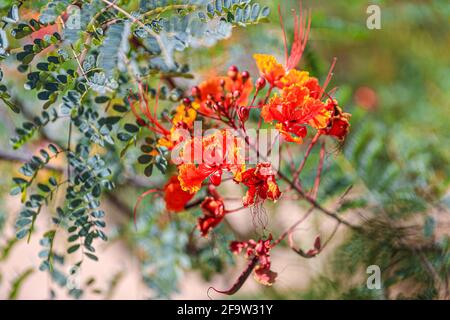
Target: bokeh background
[[395, 81]]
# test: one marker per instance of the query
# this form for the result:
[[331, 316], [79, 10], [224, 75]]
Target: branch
[[146, 28]]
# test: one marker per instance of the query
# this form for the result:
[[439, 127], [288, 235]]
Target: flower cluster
[[294, 103]]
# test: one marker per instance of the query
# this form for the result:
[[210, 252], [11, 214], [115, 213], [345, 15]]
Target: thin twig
[[142, 25]]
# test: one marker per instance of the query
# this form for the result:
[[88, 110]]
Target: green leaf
[[144, 159], [91, 256], [73, 248], [101, 99]]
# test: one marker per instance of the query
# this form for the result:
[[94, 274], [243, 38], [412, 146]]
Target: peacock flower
[[294, 76], [261, 184], [275, 73], [293, 110], [269, 68], [208, 90], [221, 94], [175, 197], [191, 176], [183, 118], [261, 251], [339, 124], [219, 152], [213, 213]]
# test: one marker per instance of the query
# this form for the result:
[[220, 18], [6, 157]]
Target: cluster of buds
[[224, 97]]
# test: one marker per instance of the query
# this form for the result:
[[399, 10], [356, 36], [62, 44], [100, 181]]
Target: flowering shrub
[[287, 99], [97, 54], [103, 108]]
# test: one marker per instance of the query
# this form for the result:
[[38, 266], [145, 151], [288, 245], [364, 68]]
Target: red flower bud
[[233, 72], [187, 102], [243, 113], [245, 76], [260, 83]]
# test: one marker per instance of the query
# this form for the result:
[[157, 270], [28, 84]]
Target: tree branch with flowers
[[290, 100]]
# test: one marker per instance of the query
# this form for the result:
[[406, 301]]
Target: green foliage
[[28, 129]]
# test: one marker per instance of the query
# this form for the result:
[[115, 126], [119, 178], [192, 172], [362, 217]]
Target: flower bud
[[260, 83], [236, 94], [187, 102], [233, 73], [245, 76], [243, 114]]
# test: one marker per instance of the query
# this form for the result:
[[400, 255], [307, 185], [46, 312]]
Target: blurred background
[[395, 81]]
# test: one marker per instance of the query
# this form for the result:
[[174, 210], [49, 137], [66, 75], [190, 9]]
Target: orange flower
[[294, 76], [223, 93], [261, 251], [174, 196], [295, 109], [269, 68], [219, 152], [213, 213], [261, 184], [339, 124], [183, 119], [191, 177], [211, 89]]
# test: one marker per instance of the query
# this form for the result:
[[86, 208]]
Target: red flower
[[260, 250], [219, 152], [221, 94], [297, 107], [174, 196], [339, 124], [213, 213], [261, 184]]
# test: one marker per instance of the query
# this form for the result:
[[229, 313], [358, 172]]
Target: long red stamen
[[302, 27], [144, 107], [286, 53], [328, 79]]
